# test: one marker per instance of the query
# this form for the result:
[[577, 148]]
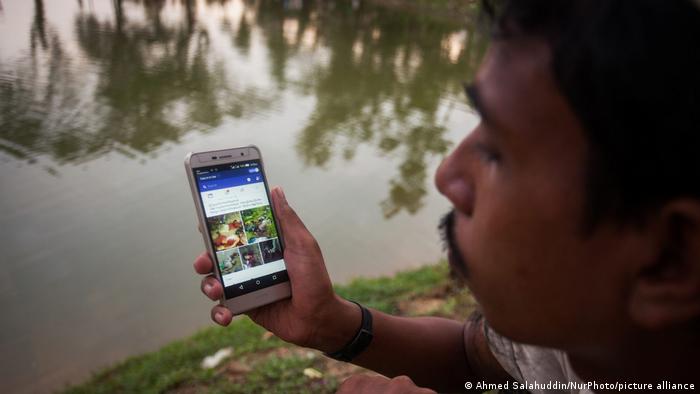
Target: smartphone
[[239, 226]]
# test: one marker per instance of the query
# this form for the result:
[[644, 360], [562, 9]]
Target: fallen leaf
[[214, 360], [312, 373]]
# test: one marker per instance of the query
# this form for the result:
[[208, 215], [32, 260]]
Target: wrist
[[360, 341], [338, 325]]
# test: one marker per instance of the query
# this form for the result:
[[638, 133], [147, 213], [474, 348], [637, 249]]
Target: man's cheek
[[472, 246], [495, 255]]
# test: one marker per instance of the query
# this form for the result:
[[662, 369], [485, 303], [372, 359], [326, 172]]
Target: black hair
[[630, 70]]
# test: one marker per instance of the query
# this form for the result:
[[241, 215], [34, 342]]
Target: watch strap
[[361, 340]]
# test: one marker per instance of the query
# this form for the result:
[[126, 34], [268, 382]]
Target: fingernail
[[219, 317], [282, 194], [208, 286]]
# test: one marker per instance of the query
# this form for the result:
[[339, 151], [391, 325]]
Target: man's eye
[[487, 153]]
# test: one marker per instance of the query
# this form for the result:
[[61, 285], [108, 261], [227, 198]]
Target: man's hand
[[430, 350], [359, 384], [314, 316]]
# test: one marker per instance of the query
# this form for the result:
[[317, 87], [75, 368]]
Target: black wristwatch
[[361, 340]]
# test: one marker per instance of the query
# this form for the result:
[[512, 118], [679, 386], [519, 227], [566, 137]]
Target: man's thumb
[[289, 221]]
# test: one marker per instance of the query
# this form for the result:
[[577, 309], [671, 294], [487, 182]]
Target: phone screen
[[241, 226]]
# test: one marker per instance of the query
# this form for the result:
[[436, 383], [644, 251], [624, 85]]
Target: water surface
[[352, 105]]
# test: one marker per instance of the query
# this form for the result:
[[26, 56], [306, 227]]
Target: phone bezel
[[195, 160]]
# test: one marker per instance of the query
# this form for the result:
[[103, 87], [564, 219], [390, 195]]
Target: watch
[[361, 340]]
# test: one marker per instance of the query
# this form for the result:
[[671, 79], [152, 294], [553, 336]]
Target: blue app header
[[223, 177]]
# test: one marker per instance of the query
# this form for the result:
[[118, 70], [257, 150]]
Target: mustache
[[458, 265]]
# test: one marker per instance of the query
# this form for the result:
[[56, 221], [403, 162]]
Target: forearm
[[429, 350]]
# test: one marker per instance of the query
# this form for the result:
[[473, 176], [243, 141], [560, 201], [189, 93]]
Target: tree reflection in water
[[29, 124], [387, 78], [155, 83], [380, 78]]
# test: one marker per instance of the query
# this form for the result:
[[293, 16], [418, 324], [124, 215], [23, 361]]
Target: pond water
[[352, 105]]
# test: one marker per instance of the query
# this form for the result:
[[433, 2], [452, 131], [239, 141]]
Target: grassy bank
[[262, 363]]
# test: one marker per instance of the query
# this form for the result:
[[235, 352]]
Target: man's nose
[[453, 180]]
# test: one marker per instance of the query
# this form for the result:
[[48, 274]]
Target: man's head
[[577, 198]]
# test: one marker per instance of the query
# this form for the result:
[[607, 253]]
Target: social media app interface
[[241, 227]]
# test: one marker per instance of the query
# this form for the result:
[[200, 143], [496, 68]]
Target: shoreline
[[251, 359]]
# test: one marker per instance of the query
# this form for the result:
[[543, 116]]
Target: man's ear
[[666, 292]]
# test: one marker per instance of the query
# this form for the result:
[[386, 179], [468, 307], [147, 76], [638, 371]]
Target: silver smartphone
[[239, 226]]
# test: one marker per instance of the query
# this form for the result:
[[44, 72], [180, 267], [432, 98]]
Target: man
[[576, 219], [261, 228], [249, 260]]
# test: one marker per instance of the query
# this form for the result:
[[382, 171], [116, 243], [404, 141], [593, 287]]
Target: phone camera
[[242, 153], [214, 157]]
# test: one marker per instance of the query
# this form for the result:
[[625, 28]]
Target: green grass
[[386, 292], [178, 362], [176, 366], [284, 375]]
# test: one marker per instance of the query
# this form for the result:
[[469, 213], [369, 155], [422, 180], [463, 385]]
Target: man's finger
[[292, 226], [211, 287], [354, 384], [221, 315], [203, 264]]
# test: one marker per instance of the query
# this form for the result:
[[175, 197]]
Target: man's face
[[517, 183]]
